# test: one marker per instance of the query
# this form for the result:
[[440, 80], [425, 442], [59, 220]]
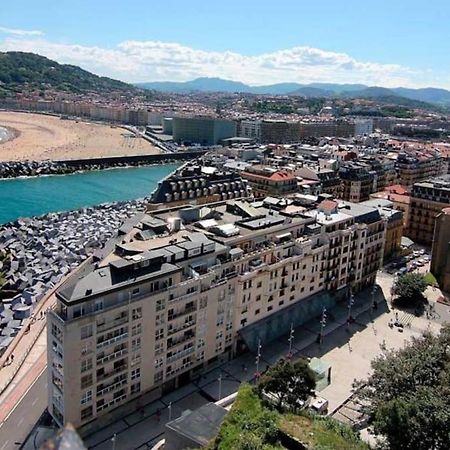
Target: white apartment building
[[250, 129], [183, 288]]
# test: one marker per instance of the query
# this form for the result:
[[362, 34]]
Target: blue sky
[[387, 43]]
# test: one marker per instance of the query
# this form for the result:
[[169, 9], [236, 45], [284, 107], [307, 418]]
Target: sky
[[385, 43]]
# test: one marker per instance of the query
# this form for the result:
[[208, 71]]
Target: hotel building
[[181, 289]]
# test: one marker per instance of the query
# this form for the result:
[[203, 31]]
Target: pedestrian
[[12, 359]]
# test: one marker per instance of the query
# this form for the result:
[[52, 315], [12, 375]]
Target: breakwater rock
[[43, 249]]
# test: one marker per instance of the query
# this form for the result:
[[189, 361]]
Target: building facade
[[440, 259], [149, 314], [428, 199]]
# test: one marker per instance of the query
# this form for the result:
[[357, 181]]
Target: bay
[[27, 197]]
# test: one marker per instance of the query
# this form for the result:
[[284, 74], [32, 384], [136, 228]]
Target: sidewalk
[[27, 349], [141, 430]]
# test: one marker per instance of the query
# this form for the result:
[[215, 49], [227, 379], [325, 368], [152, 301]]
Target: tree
[[290, 383], [408, 394], [410, 287]]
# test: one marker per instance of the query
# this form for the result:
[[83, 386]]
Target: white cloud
[[155, 61], [18, 32]]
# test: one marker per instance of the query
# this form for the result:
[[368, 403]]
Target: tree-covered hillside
[[21, 71]]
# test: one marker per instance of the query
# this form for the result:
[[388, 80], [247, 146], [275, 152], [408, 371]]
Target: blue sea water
[[26, 197]]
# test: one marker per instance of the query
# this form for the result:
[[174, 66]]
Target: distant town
[[296, 235]]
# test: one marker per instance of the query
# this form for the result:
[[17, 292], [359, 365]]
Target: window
[[135, 373], [203, 302], [86, 413], [159, 334], [78, 311], [158, 376], [135, 292], [86, 331], [258, 297], [56, 331], [136, 344], [257, 312], [219, 334], [135, 388], [269, 308], [159, 348], [86, 364], [160, 305], [259, 284], [86, 381], [86, 348], [135, 359], [159, 362], [136, 329], [136, 313], [98, 306], [86, 397]]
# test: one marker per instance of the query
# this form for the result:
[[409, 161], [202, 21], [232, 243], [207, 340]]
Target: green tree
[[290, 383], [408, 394], [410, 287]]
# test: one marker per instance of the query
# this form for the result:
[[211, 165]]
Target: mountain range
[[328, 90]]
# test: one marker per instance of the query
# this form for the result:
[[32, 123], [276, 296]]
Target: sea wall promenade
[[13, 169], [38, 252]]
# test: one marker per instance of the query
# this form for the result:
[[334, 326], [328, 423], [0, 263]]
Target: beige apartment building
[[183, 288]]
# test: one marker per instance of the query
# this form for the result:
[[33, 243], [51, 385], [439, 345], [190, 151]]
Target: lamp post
[[291, 338], [258, 356], [113, 440], [323, 322], [169, 407], [351, 301], [220, 386]]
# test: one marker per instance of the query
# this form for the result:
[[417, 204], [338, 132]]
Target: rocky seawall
[[40, 251], [14, 169]]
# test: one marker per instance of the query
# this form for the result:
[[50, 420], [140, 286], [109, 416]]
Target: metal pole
[[220, 386], [351, 301], [169, 407], [257, 359], [291, 338], [113, 439], [323, 322]]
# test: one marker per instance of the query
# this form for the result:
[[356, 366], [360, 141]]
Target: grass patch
[[430, 279], [250, 425], [318, 432]]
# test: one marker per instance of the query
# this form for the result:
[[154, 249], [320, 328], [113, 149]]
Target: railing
[[182, 313], [112, 387], [112, 356], [113, 372], [112, 340], [180, 354], [181, 328], [180, 340], [108, 325]]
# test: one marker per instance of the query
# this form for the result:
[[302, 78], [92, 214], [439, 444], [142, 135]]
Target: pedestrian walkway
[[144, 428], [24, 356]]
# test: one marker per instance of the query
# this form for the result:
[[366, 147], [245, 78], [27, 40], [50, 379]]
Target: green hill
[[21, 72]]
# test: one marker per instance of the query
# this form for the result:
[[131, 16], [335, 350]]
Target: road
[[21, 421]]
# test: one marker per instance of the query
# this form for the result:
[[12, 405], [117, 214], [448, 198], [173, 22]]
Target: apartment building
[[399, 196], [428, 199], [357, 181], [415, 166], [154, 309], [440, 260], [250, 129], [265, 180]]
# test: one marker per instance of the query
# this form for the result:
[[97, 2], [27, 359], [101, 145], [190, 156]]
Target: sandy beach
[[41, 137]]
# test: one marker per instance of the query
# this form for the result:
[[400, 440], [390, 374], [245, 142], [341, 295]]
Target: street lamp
[[220, 385], [113, 440], [291, 338], [169, 407], [258, 356], [323, 322], [351, 301]]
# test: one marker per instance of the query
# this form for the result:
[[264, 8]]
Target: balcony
[[113, 340], [181, 313], [112, 356], [181, 327], [112, 387], [111, 324], [184, 338], [180, 354], [112, 373]]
